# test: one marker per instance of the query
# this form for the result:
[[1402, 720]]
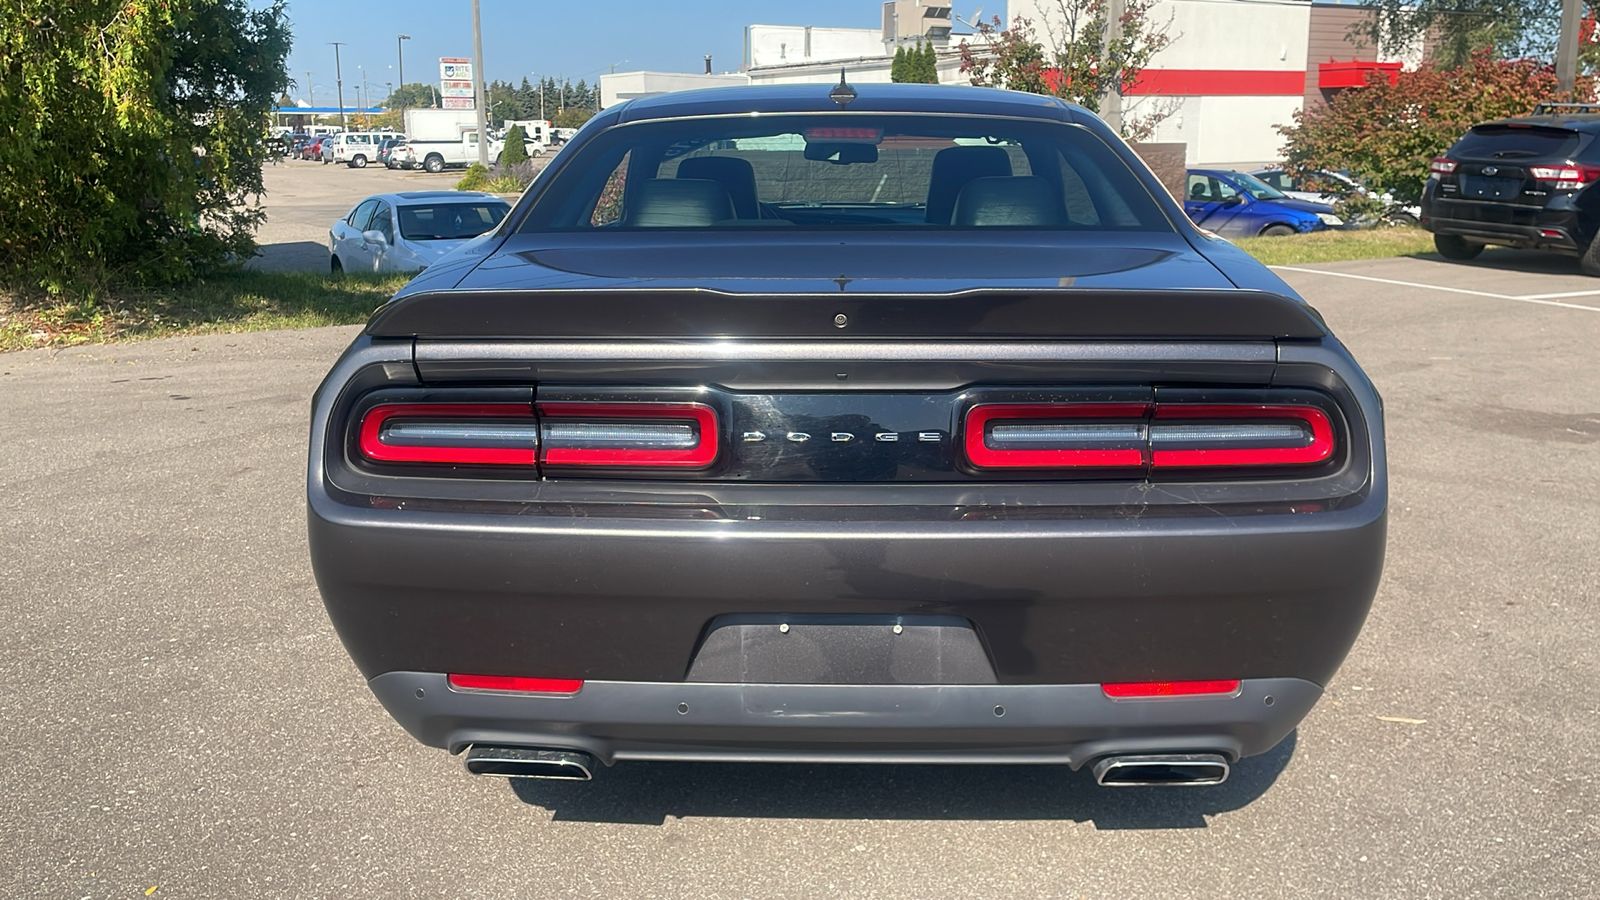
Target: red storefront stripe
[[1221, 82]]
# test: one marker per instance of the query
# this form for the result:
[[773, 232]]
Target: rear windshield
[[450, 221], [846, 171], [1516, 142]]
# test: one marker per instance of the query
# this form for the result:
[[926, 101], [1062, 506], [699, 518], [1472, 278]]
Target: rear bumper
[[1531, 237], [1053, 600], [1057, 724]]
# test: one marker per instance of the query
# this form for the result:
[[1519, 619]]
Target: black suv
[[1522, 182]]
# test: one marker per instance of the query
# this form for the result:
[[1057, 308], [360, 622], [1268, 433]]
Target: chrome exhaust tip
[[1156, 769], [529, 762]]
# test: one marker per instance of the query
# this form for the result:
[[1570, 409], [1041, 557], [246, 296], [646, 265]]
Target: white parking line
[[1541, 299]]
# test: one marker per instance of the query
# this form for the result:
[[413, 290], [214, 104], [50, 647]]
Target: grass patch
[[245, 300], [1333, 246]]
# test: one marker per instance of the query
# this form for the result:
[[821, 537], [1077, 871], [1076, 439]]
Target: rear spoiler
[[674, 313]]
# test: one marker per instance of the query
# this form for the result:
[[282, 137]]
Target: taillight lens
[[494, 434], [516, 684], [1191, 435], [1566, 178], [1072, 436], [1442, 165], [1056, 435], [1132, 689], [628, 434]]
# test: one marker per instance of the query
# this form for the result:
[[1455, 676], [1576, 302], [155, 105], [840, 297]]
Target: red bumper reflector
[[517, 684], [1169, 688], [451, 433], [621, 434]]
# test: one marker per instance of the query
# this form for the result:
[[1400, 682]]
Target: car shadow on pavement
[[638, 793], [1508, 259]]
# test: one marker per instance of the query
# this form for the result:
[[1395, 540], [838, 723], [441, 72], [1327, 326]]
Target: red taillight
[[496, 434], [866, 135], [628, 434], [1130, 689], [516, 683], [1239, 435], [1134, 435], [1566, 178], [1442, 165], [1056, 435]]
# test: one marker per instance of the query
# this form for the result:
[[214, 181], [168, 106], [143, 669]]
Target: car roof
[[1588, 123], [900, 98], [414, 198]]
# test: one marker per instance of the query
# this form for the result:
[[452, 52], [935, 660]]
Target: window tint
[[362, 215], [1516, 142], [1209, 189], [450, 221], [383, 221], [846, 171]]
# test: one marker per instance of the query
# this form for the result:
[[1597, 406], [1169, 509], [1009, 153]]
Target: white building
[[1233, 72]]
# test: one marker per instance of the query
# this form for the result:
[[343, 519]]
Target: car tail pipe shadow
[[1161, 769], [529, 762]]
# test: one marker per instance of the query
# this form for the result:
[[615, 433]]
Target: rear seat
[[1009, 200]]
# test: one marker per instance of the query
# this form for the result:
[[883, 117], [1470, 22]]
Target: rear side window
[[362, 215], [849, 171], [1516, 142]]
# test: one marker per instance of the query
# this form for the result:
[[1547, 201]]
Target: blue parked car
[[1233, 204]]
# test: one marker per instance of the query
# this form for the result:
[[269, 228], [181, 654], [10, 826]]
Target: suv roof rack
[[1547, 109]]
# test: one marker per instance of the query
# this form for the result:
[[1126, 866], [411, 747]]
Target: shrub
[[1385, 135], [515, 150], [476, 179], [134, 137]]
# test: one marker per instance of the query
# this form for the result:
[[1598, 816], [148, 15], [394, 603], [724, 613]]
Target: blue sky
[[572, 39]]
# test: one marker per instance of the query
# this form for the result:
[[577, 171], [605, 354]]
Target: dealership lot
[[182, 717]]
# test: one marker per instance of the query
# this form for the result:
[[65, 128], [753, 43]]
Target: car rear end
[[1520, 183], [1130, 515]]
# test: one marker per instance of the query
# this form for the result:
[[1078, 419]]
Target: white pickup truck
[[436, 156]]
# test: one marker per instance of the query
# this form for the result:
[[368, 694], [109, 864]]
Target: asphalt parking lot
[[180, 716]]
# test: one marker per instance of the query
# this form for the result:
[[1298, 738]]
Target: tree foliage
[[572, 117], [413, 95], [1458, 28], [1068, 55], [515, 150], [918, 65], [134, 136], [1385, 135]]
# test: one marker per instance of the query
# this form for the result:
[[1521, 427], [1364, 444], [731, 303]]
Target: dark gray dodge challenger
[[884, 423]]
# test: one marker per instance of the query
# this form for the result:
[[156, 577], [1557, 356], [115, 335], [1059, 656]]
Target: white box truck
[[439, 124]]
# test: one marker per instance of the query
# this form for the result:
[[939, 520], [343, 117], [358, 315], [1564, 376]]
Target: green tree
[[1385, 134], [412, 95], [1071, 56], [1456, 29], [134, 136], [928, 64], [897, 68], [515, 150], [572, 117]]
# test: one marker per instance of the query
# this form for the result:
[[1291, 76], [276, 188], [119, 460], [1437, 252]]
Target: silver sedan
[[411, 230]]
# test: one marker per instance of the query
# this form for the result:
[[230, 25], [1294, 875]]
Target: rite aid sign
[[455, 68]]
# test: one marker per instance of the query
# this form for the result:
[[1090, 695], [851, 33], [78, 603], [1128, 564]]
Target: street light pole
[[478, 90], [338, 76], [400, 55], [311, 91], [1567, 49]]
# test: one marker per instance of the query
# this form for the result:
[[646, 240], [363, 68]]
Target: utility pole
[[1567, 50], [479, 91], [338, 76], [1111, 100], [311, 91], [400, 54]]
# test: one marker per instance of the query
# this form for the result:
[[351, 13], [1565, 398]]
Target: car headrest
[[1010, 200], [1200, 191], [953, 167], [676, 203], [736, 176]]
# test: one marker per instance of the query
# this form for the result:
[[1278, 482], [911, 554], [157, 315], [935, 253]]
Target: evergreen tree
[[897, 69], [515, 150]]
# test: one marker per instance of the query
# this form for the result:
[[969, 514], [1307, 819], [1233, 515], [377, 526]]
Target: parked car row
[[1235, 204]]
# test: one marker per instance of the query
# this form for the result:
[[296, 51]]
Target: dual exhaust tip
[[1148, 770]]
